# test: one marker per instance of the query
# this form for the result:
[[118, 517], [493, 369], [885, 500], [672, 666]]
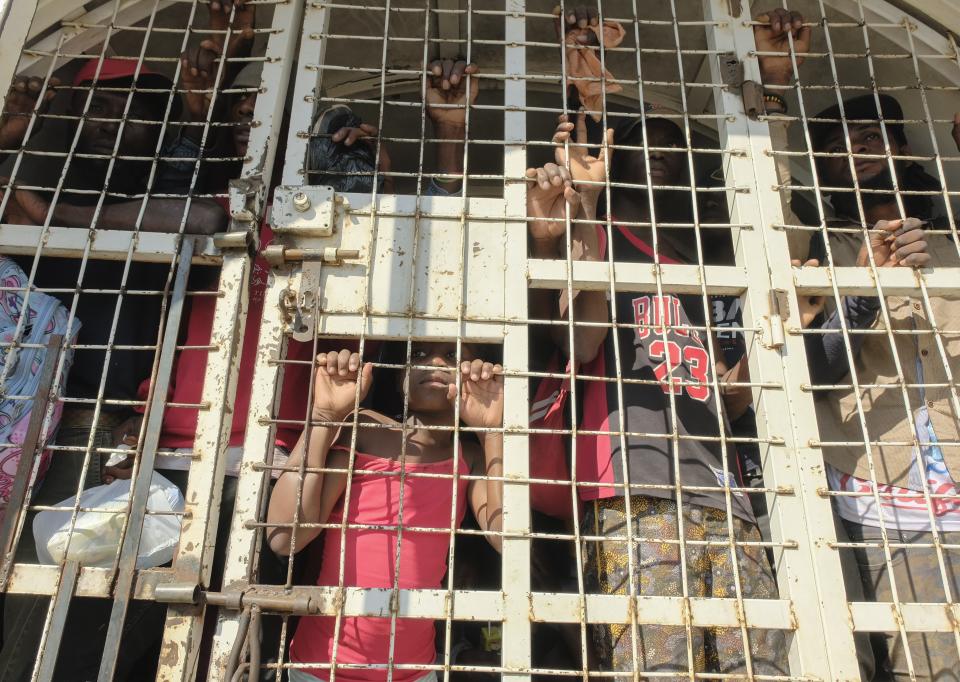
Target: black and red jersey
[[666, 406]]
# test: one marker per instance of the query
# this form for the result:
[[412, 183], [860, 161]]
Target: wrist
[[775, 76], [327, 415], [485, 436], [449, 130], [546, 247], [589, 201]]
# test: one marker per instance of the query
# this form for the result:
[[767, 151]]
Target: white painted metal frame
[[899, 616], [823, 644], [193, 564], [802, 523]]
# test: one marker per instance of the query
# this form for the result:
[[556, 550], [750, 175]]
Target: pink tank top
[[370, 559]]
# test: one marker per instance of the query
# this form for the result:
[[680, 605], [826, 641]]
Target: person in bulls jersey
[[656, 399]]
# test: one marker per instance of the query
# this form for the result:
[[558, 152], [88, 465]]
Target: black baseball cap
[[858, 110]]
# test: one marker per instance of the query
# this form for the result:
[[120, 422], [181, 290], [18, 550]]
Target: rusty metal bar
[[144, 466], [53, 633], [184, 625]]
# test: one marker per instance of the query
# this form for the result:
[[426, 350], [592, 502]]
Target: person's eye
[[452, 355], [837, 149], [873, 137], [419, 354]]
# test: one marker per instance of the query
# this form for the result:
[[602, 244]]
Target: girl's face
[[429, 388]]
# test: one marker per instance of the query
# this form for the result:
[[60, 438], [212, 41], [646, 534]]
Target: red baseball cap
[[114, 69]]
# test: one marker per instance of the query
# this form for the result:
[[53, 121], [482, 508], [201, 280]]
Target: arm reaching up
[[451, 89], [335, 398], [481, 406]]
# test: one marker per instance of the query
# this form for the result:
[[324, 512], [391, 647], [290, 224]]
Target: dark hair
[[386, 396]]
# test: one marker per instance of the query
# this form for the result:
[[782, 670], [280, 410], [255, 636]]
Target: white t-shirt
[[903, 508]]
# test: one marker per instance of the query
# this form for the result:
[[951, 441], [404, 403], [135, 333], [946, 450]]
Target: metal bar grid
[[87, 241], [874, 443], [185, 625], [801, 525], [56, 613], [268, 403], [122, 245]]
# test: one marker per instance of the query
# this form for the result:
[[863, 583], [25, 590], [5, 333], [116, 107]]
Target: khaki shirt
[[887, 418]]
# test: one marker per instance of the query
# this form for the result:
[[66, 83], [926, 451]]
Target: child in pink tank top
[[405, 492]]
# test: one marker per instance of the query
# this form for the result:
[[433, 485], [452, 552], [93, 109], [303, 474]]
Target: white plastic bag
[[96, 535]]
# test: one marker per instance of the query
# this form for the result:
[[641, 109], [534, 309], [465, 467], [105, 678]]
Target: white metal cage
[[431, 243]]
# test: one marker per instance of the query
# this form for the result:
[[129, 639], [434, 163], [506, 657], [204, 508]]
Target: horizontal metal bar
[[860, 281], [70, 242], [681, 279], [917, 617], [475, 605], [93, 582], [757, 613]]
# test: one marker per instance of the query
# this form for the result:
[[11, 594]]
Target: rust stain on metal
[[169, 655]]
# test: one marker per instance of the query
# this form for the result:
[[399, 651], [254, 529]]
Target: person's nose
[[437, 360]]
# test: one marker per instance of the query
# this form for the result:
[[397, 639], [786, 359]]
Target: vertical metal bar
[[823, 640], [53, 633], [618, 366], [516, 527], [711, 353], [184, 624], [144, 467], [242, 555], [15, 20], [306, 83], [32, 442]]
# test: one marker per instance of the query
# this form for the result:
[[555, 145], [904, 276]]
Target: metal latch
[[307, 220], [752, 94], [246, 197], [731, 69], [306, 210], [779, 311], [250, 602], [277, 255]]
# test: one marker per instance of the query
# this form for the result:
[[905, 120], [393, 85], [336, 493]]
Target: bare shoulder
[[369, 439]]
